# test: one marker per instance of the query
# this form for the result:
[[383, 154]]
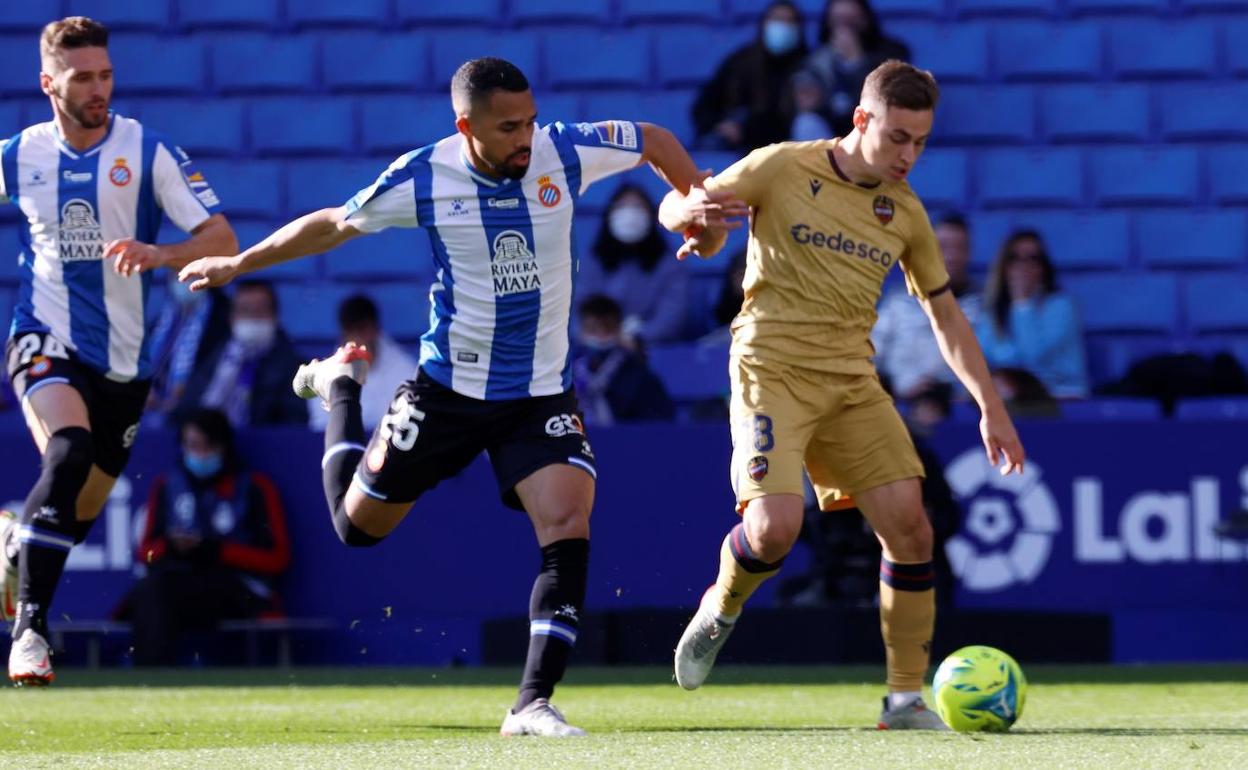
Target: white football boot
[[911, 715], [539, 718], [701, 642], [315, 377], [30, 660]]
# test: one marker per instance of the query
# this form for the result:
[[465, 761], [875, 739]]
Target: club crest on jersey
[[884, 209], [514, 268], [548, 193], [757, 467], [39, 366], [79, 237], [119, 174]]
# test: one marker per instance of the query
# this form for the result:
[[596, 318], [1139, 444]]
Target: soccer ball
[[979, 688]]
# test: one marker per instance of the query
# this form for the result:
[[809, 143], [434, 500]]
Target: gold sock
[[740, 573], [907, 617]]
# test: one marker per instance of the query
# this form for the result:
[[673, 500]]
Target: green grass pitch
[[747, 717]]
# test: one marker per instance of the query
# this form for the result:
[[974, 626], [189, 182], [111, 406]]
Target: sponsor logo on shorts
[[39, 366], [883, 208], [562, 425], [757, 467], [127, 438]]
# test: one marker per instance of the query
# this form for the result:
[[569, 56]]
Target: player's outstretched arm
[[961, 351], [213, 236], [313, 233]]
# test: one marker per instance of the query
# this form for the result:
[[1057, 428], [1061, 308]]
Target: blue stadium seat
[[566, 108], [1081, 240], [453, 47], [588, 57], [1126, 176], [1112, 409], [6, 300], [940, 179], [118, 16], [229, 13], [670, 10], [10, 118], [394, 62], [36, 109], [1114, 302], [987, 114], [989, 230], [1111, 355], [250, 62], [199, 126], [158, 64], [715, 161], [251, 232], [750, 11], [1030, 177], [8, 259], [19, 65], [336, 13], [283, 126], [1044, 51], [393, 126], [671, 49], [691, 372], [953, 52], [1217, 408], [1204, 111], [893, 9], [1213, 5], [1236, 32], [560, 11], [1228, 174], [249, 188], [309, 311], [459, 12], [1188, 239], [1005, 7], [1102, 113], [1088, 7], [1150, 49], [596, 197], [30, 15], [1217, 302], [316, 183], [396, 254], [669, 109]]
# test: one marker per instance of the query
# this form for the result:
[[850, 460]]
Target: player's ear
[[45, 84], [461, 125], [861, 118]]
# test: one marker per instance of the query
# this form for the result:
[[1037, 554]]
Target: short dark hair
[[900, 84], [216, 428], [601, 306], [261, 284], [476, 79], [71, 32], [356, 311]]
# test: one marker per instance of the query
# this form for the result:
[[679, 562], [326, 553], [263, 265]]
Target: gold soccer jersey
[[820, 247]]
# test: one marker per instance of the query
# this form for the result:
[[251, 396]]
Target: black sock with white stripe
[[554, 617], [344, 446]]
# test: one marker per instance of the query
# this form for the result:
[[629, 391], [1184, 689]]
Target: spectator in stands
[[613, 383], [360, 322], [190, 326], [851, 44], [248, 375], [905, 347], [813, 118], [728, 302], [1027, 323], [214, 542], [635, 267], [744, 104]]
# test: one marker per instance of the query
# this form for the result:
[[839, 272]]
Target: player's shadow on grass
[[1145, 732], [810, 729]]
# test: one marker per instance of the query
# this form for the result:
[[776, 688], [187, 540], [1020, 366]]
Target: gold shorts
[[843, 428]]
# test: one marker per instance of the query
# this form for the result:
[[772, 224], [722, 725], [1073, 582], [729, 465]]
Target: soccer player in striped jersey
[[93, 187], [497, 200]]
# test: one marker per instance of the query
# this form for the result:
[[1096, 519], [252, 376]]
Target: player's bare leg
[[907, 599], [751, 553], [58, 422], [558, 499]]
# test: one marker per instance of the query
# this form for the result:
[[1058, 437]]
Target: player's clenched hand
[[207, 272], [133, 256], [1001, 442]]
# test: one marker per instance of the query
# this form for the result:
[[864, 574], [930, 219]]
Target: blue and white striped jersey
[[75, 203], [504, 252]]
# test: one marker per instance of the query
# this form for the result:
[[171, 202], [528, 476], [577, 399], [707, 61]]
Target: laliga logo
[[1010, 524]]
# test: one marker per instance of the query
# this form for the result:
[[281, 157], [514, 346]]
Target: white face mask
[[629, 224], [254, 333]]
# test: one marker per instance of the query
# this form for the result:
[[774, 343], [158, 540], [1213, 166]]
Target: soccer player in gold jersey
[[828, 220]]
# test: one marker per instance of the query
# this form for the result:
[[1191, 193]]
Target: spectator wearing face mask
[[634, 266], [851, 44], [190, 326], [248, 375], [745, 104], [213, 544], [613, 383]]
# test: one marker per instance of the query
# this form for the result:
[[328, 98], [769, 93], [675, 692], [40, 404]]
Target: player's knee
[[69, 452], [563, 521], [911, 538], [772, 538]]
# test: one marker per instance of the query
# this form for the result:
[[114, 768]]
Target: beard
[[510, 169], [80, 113]]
